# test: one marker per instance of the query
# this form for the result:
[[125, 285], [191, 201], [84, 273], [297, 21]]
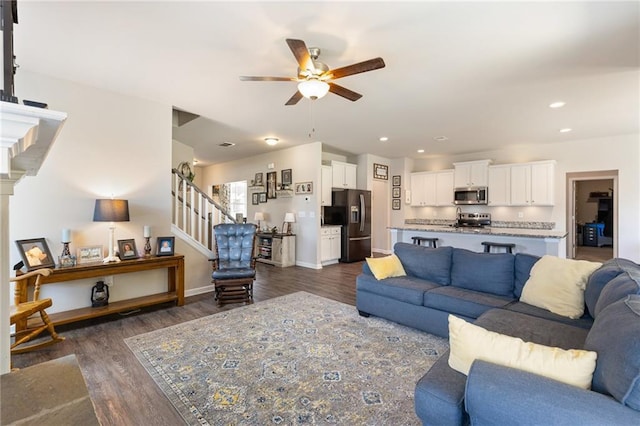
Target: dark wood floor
[[122, 391]]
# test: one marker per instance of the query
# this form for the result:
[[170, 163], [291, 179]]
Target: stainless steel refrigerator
[[351, 208]]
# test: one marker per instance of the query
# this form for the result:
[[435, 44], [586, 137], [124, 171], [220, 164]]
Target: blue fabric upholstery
[[487, 272], [234, 267], [523, 263], [615, 336], [406, 289], [233, 273], [608, 271], [624, 284], [524, 308], [461, 301], [431, 264]]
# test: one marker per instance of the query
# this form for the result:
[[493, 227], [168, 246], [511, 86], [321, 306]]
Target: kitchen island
[[532, 241]]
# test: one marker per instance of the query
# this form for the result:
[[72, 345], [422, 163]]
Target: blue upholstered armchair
[[234, 267]]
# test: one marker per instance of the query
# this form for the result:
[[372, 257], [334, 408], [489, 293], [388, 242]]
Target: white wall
[[304, 161], [111, 145]]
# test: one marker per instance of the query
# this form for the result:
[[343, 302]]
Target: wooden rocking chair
[[21, 312]]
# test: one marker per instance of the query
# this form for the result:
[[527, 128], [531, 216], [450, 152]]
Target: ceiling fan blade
[[294, 99], [251, 78], [300, 51], [370, 65], [344, 92]]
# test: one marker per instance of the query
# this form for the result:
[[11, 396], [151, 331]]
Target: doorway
[[592, 211]]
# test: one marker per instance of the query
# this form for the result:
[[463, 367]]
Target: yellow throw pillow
[[469, 342], [557, 285], [385, 267]]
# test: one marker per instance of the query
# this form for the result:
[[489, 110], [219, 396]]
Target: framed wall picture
[[286, 177], [262, 197], [396, 181], [127, 249], [164, 246], [304, 188], [90, 254], [35, 254], [395, 192], [254, 198], [271, 184], [395, 204], [258, 179], [380, 171]]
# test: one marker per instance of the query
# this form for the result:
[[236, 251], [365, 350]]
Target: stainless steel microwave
[[471, 195]]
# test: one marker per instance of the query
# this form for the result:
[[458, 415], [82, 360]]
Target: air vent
[[226, 144]]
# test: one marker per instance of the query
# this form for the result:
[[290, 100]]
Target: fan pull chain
[[312, 119]]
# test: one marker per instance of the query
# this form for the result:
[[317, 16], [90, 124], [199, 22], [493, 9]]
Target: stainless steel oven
[[471, 195]]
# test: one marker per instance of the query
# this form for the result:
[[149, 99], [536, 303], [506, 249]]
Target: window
[[238, 198]]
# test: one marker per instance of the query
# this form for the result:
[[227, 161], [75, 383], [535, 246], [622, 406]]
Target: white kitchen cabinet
[[500, 185], [343, 175], [532, 184], [471, 173], [330, 244], [432, 188], [325, 185]]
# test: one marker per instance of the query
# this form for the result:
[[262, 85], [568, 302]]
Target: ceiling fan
[[315, 78]]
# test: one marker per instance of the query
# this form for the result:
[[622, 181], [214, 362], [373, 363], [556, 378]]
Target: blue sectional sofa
[[484, 288]]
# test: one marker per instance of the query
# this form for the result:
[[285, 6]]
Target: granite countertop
[[508, 232]]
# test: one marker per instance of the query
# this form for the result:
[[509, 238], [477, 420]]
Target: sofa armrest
[[496, 394]]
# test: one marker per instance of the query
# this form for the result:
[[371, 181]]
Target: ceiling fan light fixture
[[271, 141], [313, 88]]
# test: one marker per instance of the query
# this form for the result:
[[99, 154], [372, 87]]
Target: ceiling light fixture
[[557, 104], [565, 130], [420, 151], [271, 141], [384, 139], [441, 138], [313, 88]]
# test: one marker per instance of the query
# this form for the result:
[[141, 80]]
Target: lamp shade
[[258, 216], [313, 89], [111, 211], [289, 217]]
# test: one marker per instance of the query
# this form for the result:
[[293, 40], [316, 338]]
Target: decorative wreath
[[185, 169]]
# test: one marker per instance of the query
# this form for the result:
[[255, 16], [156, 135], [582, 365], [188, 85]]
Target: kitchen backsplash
[[494, 223]]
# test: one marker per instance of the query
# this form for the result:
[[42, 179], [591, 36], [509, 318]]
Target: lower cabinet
[[330, 244], [276, 249]]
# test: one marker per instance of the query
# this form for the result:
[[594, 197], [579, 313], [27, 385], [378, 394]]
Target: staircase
[[194, 214]]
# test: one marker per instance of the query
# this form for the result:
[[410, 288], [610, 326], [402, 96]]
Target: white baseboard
[[199, 290], [309, 265]]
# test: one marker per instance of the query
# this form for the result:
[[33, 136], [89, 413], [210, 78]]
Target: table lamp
[[111, 211], [258, 216], [289, 218]]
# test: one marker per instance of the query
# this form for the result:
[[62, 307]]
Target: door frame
[[572, 179]]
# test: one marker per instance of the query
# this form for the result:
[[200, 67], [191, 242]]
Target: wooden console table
[[175, 284]]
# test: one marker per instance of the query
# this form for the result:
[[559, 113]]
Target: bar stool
[[428, 242], [508, 246]]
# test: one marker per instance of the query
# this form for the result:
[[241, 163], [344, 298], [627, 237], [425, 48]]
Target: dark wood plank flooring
[[122, 391]]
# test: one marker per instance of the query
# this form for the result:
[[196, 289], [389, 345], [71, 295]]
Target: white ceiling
[[480, 73]]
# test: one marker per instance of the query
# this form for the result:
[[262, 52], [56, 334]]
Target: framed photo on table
[[164, 246], [90, 254], [127, 249], [35, 253]]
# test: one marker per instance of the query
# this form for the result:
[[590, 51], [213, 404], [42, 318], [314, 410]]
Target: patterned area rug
[[296, 359]]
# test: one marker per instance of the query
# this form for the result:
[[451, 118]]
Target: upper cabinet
[[500, 185], [343, 175], [471, 173], [432, 188], [532, 184], [326, 184]]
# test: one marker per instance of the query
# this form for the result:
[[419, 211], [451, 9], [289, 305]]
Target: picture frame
[[90, 254], [271, 184], [165, 246], [380, 171], [127, 249], [395, 192], [35, 253], [254, 199], [304, 188], [396, 180], [395, 204], [258, 179], [262, 197], [285, 177]]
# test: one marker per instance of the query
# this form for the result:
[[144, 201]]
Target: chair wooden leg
[[30, 334]]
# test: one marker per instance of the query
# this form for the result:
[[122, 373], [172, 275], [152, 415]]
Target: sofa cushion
[[523, 263], [618, 288], [486, 272], [385, 267], [558, 285], [461, 301], [432, 264], [615, 336], [469, 342], [585, 321], [601, 277], [405, 289]]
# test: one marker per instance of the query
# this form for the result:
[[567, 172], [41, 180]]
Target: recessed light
[[384, 139], [557, 104], [271, 141], [441, 138], [565, 130], [420, 151]]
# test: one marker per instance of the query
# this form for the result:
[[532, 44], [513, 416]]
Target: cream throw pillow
[[469, 342], [385, 267], [557, 285]]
